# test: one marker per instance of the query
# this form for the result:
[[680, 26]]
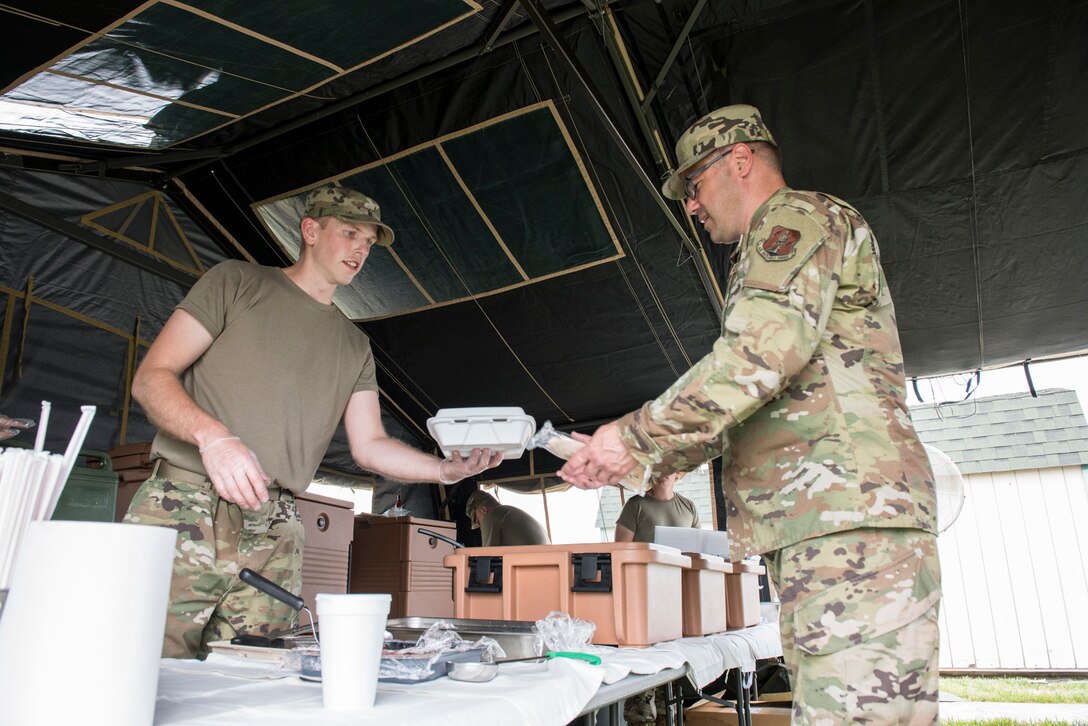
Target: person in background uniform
[[502, 525], [246, 383], [804, 396], [638, 522], [660, 505]]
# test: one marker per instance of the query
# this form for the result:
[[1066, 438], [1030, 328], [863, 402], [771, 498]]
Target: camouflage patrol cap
[[718, 129], [347, 205], [475, 499]]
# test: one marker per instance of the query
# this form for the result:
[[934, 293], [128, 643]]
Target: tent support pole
[[671, 58], [548, 31], [167, 157], [634, 95], [120, 250], [498, 24]]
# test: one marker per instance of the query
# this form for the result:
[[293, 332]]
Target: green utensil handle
[[587, 657]]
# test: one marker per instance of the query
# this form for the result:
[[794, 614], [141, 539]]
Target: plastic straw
[[75, 445], [50, 482], [19, 502], [43, 424]]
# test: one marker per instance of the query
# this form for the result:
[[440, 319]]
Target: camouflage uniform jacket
[[804, 392]]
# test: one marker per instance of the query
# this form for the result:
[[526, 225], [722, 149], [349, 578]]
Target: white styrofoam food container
[[499, 428]]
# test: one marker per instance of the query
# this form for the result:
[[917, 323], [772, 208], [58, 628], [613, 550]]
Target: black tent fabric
[[957, 127]]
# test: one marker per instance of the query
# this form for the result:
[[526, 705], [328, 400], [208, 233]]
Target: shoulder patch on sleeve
[[779, 247]]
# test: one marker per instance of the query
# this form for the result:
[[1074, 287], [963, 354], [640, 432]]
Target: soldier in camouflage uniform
[[247, 382], [804, 397]]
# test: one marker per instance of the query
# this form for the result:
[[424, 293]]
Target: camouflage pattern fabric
[[348, 205], [645, 709], [804, 392], [216, 540], [717, 130], [640, 709], [859, 626]]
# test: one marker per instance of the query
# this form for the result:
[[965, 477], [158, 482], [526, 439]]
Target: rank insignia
[[780, 244]]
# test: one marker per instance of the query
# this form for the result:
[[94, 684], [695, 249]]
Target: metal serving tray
[[517, 637]]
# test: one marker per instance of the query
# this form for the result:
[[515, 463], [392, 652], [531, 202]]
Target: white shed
[[1014, 564]]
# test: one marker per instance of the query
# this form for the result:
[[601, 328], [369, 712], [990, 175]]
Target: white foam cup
[[351, 630]]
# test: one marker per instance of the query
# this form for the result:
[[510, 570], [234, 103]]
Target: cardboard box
[[707, 713]]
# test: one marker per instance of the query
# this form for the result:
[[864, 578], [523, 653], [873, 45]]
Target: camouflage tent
[[516, 148]]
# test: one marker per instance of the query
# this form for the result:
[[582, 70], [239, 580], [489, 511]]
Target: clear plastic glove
[[235, 472], [456, 468], [10, 427]]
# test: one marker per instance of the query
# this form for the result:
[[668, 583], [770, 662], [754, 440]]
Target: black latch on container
[[592, 572], [484, 574]]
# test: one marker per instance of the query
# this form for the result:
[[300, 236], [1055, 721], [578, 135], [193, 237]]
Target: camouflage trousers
[[216, 539], [643, 709], [859, 626]]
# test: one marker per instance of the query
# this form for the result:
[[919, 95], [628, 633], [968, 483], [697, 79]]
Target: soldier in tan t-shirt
[[502, 525], [247, 383], [660, 505]]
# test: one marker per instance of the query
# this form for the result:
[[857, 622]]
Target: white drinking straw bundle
[[31, 482]]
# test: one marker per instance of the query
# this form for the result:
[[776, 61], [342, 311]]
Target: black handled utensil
[[271, 589]]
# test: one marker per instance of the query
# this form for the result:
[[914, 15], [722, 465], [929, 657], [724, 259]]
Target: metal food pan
[[517, 637]]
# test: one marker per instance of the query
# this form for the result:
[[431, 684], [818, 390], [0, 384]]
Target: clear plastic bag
[[397, 510], [429, 657], [565, 446], [558, 631], [404, 661]]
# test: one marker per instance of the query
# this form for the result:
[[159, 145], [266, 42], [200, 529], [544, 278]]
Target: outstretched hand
[[456, 468], [603, 460]]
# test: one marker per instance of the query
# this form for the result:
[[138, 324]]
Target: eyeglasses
[[691, 191]]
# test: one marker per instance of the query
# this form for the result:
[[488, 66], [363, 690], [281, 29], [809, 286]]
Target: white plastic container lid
[[505, 429]]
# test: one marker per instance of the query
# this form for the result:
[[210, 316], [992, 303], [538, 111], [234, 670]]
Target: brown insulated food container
[[133, 465], [742, 595], [630, 590], [390, 555], [704, 594], [327, 524]]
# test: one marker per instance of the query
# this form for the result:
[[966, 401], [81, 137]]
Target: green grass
[[1017, 690], [1003, 722]]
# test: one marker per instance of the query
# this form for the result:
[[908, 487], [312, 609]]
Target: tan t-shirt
[[506, 525], [279, 371], [642, 514]]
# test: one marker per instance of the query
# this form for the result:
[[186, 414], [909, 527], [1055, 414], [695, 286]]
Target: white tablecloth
[[223, 691]]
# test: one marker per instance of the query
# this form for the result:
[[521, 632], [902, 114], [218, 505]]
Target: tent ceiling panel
[[174, 71], [348, 34], [469, 222]]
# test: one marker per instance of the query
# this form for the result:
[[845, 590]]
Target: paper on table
[[693, 539]]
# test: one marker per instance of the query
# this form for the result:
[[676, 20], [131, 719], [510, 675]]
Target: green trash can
[[90, 494]]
